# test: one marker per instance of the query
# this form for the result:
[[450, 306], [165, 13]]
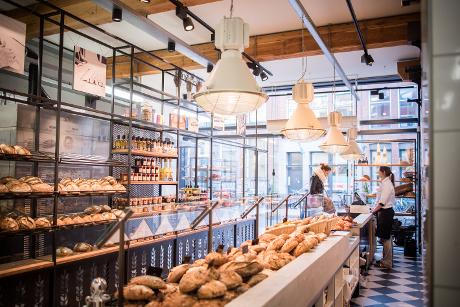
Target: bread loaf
[[137, 292], [26, 222], [193, 279], [212, 289], [177, 272], [152, 282], [8, 223], [231, 279]]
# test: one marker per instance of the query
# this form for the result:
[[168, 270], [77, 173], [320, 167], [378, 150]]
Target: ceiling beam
[[88, 11], [379, 32]]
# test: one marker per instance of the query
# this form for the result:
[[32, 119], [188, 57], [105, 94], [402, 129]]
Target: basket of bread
[[343, 223], [24, 186], [105, 185], [222, 276]]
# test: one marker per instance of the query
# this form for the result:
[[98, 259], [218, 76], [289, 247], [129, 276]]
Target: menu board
[[12, 44], [89, 73]]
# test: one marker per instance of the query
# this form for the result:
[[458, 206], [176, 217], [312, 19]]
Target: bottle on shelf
[[133, 142], [124, 142], [116, 143]]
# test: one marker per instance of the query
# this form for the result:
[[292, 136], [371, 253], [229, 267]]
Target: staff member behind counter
[[317, 184], [385, 213]]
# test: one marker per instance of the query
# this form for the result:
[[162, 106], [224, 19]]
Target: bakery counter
[[365, 227], [303, 281]]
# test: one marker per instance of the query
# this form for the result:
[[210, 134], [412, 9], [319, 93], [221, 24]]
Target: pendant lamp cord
[[231, 8], [304, 59], [333, 92]]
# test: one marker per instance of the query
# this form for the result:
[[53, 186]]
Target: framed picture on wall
[[89, 73], [12, 44]]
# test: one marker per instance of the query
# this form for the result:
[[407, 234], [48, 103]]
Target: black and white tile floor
[[401, 286]]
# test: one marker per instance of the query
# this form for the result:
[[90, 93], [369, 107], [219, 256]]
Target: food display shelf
[[143, 153], [86, 255], [34, 157], [151, 182], [23, 266], [395, 164]]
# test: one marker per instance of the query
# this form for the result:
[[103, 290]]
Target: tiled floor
[[400, 286]]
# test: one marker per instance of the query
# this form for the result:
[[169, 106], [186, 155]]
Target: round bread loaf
[[82, 247], [3, 188], [231, 279], [137, 293], [177, 272], [26, 222], [42, 222], [255, 279], [193, 279], [7, 149], [8, 223], [212, 289], [152, 282], [63, 251], [216, 259]]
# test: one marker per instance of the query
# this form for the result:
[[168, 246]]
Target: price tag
[[154, 271], [187, 259], [245, 249], [220, 248]]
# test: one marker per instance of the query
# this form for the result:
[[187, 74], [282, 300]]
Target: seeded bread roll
[[244, 269], [231, 279], [193, 279], [8, 223], [177, 272], [26, 222], [212, 289], [137, 293], [152, 282]]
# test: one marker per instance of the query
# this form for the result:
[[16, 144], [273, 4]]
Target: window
[[294, 171], [407, 109], [319, 105], [380, 106], [344, 104], [291, 107], [337, 182]]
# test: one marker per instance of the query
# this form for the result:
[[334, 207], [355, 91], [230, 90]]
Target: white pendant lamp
[[303, 126], [231, 88], [335, 141], [353, 152]]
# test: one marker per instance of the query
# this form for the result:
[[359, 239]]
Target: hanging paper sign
[[218, 123], [241, 124], [89, 72], [12, 44]]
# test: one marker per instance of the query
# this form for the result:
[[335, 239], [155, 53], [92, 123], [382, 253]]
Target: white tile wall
[[445, 25], [446, 92], [446, 297], [446, 248], [446, 169]]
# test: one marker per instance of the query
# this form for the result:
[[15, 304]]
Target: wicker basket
[[333, 223], [318, 227]]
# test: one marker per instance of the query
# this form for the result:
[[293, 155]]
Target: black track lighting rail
[[262, 71], [366, 58]]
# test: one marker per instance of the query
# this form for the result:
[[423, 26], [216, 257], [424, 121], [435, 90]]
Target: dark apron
[[385, 223]]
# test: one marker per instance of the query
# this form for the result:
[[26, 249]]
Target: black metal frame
[[60, 106]]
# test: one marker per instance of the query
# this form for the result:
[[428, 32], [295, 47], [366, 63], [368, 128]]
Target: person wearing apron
[[317, 184], [385, 213]]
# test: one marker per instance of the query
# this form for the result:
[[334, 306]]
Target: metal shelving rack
[[116, 162]]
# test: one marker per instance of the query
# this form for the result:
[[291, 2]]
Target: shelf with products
[[135, 152], [150, 182], [389, 165], [26, 265]]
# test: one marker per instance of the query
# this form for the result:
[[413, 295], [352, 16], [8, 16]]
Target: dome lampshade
[[303, 126], [231, 88], [335, 141], [353, 152]]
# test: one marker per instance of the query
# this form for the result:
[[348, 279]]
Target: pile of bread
[[106, 184], [91, 215], [14, 150], [221, 277], [25, 184], [11, 223], [343, 223]]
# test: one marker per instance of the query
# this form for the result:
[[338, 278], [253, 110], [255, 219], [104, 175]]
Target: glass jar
[[147, 113]]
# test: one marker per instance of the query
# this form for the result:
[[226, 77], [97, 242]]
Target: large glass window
[[379, 104], [407, 109], [344, 104], [294, 171], [320, 104]]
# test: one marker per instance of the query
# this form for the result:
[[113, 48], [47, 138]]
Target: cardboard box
[[192, 124], [182, 122]]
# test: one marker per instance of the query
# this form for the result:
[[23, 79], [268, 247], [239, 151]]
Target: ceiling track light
[[117, 14], [367, 59], [263, 76], [187, 22], [171, 46]]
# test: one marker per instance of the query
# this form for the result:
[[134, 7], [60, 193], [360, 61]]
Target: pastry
[[177, 272], [259, 247], [7, 149], [63, 251], [6, 179], [212, 289], [96, 217], [255, 279], [67, 220], [303, 247], [108, 216], [137, 292], [84, 187], [19, 150], [8, 223], [193, 279], [118, 213], [276, 244], [119, 187], [77, 220], [152, 304], [26, 222], [278, 260], [231, 279], [96, 187], [93, 209], [82, 247], [105, 208], [289, 245], [216, 259], [322, 236], [152, 282], [110, 179], [300, 237], [86, 219], [42, 222]]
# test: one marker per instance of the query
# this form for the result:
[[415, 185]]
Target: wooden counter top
[[362, 219], [300, 283]]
